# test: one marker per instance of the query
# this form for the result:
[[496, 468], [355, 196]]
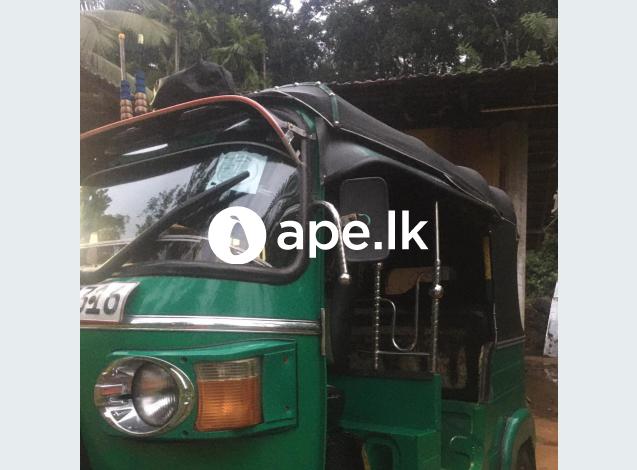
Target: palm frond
[[91, 4], [540, 27], [552, 28], [145, 6], [106, 70], [155, 33], [96, 35]]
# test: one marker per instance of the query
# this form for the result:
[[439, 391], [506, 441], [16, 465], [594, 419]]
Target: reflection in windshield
[[94, 218], [110, 216], [158, 205]]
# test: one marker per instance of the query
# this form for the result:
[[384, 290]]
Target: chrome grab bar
[[344, 277], [416, 319], [393, 329]]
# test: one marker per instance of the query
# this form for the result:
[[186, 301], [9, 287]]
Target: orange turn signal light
[[229, 394]]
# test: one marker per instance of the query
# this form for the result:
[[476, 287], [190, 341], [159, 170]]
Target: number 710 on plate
[[104, 303]]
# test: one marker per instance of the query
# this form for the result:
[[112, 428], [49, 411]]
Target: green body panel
[[463, 434], [300, 300], [298, 444], [475, 434], [299, 447], [278, 379], [398, 419], [390, 402], [401, 421], [405, 424], [509, 414]]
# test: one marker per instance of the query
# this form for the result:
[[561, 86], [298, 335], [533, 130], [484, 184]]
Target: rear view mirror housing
[[366, 200]]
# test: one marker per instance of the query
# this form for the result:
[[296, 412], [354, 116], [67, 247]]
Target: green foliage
[[541, 268], [231, 41], [542, 32], [155, 33], [541, 28], [96, 35], [376, 38], [468, 59], [195, 30], [264, 42], [99, 44], [529, 58]]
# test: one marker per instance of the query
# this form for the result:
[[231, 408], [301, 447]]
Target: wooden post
[[514, 150]]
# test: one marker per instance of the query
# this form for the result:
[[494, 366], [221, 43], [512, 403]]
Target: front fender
[[519, 429]]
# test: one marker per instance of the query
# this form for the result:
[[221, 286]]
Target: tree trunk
[[503, 37], [177, 48], [264, 70]]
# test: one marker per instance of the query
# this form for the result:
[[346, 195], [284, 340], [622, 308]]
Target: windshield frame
[[249, 273]]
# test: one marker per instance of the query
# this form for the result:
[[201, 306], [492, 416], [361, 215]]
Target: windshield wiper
[[151, 233]]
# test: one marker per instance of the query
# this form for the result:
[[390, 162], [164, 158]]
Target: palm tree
[[99, 28], [229, 39], [169, 12], [239, 56]]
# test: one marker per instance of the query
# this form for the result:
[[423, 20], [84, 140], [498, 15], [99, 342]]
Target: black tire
[[343, 452], [526, 458]]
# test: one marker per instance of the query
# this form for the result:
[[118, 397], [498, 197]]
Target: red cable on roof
[[271, 120]]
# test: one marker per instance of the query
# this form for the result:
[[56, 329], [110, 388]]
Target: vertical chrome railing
[[436, 293], [377, 299]]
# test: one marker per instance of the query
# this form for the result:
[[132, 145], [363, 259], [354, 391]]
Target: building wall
[[500, 154]]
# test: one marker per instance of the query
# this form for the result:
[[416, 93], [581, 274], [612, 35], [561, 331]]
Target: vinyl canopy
[[343, 116], [340, 155]]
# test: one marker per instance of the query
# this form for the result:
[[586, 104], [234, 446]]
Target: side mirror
[[366, 200]]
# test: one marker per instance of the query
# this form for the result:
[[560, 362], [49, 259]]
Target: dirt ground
[[541, 391]]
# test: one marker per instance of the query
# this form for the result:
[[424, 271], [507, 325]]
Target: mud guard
[[519, 429]]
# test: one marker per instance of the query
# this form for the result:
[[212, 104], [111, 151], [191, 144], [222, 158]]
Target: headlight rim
[[106, 406]]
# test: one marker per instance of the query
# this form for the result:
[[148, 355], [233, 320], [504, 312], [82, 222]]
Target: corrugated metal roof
[[487, 72], [476, 99]]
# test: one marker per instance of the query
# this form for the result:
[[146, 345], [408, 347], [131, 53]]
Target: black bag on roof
[[199, 81]]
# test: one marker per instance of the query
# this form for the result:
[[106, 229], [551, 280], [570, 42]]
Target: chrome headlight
[[143, 395]]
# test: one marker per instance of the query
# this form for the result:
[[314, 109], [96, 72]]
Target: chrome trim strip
[[210, 323], [510, 342]]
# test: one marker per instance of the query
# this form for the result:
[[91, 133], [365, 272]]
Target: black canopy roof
[[341, 115], [344, 117]]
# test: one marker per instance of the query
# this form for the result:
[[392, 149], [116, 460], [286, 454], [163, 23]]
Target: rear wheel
[[526, 458], [343, 452]]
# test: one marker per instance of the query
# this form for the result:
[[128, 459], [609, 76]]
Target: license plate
[[104, 303]]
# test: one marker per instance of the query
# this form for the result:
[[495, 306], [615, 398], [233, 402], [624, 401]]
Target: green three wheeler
[[392, 356]]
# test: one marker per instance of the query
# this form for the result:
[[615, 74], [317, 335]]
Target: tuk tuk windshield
[[118, 204]]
